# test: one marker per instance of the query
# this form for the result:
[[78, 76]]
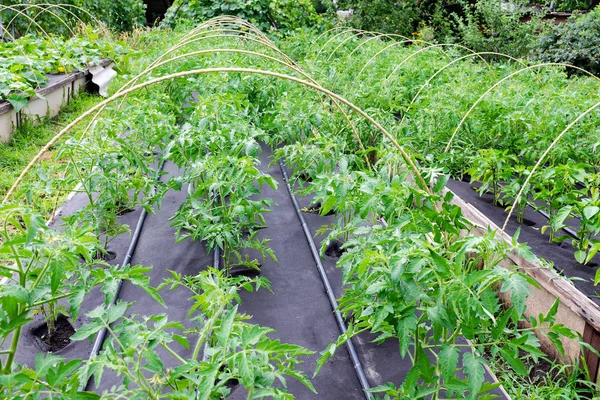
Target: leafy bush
[[571, 5], [402, 18], [281, 15], [575, 42], [493, 25]]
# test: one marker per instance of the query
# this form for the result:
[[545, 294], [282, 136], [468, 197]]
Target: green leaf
[[153, 362], [226, 326], [448, 359], [474, 370], [87, 330], [590, 211], [16, 292], [18, 101], [406, 331], [327, 205], [515, 363], [45, 361], [115, 312], [580, 256], [182, 341], [519, 291]]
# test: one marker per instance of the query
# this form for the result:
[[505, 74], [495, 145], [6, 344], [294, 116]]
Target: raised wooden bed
[[59, 91], [576, 310]]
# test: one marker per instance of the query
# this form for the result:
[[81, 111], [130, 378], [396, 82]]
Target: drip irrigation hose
[[101, 335], [364, 383]]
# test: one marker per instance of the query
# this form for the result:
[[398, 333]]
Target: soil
[[334, 249], [242, 270], [305, 177], [123, 208], [59, 340], [315, 208], [108, 256]]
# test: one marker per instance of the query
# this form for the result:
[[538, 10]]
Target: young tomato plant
[[222, 210], [588, 208], [225, 348], [43, 267], [512, 189], [491, 167], [555, 187]]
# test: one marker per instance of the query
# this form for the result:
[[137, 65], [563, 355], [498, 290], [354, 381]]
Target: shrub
[[575, 42], [401, 17], [493, 25]]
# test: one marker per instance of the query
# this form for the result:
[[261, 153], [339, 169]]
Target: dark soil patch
[[334, 249], [305, 177], [59, 340], [315, 208], [123, 208], [108, 256], [241, 270]]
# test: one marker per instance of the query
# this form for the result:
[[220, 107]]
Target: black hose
[[101, 335], [328, 289]]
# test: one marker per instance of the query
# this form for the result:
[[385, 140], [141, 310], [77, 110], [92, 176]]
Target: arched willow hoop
[[495, 85], [2, 8], [377, 36], [348, 30], [342, 43], [157, 64], [370, 60], [439, 71], [46, 9], [543, 157], [32, 20], [268, 43], [407, 158], [434, 46], [193, 40], [66, 7], [374, 35], [188, 39], [293, 67]]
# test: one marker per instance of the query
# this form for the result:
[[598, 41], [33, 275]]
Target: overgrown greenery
[[411, 273], [575, 42]]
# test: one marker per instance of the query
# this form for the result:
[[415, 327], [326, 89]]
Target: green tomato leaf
[[448, 359], [475, 372]]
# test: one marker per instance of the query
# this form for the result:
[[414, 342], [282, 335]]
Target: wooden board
[[576, 310]]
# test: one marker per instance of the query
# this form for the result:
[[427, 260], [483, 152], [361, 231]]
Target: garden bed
[[58, 91], [569, 281], [297, 308]]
